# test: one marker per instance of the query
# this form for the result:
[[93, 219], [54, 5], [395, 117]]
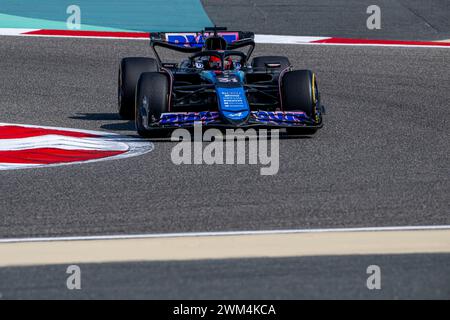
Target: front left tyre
[[300, 93], [130, 70]]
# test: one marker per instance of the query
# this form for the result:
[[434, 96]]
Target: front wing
[[268, 119]]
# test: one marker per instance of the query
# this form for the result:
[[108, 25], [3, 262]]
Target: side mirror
[[273, 65]]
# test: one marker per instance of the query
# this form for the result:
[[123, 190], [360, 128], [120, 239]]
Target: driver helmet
[[217, 43]]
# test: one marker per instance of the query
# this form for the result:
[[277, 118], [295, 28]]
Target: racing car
[[217, 85]]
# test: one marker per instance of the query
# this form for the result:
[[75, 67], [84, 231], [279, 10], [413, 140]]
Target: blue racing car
[[216, 85]]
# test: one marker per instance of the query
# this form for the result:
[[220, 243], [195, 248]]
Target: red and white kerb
[[25, 146]]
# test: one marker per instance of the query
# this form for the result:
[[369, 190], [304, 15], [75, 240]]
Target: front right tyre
[[130, 70], [152, 99]]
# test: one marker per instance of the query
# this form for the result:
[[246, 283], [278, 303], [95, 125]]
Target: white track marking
[[83, 37], [17, 166], [224, 233], [14, 31], [61, 142], [376, 45], [275, 39], [101, 133]]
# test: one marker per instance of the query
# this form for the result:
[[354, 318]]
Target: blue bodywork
[[232, 100]]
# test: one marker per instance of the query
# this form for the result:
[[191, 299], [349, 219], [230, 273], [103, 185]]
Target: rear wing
[[192, 42], [196, 39]]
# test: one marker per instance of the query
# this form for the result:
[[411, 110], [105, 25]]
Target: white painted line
[[278, 39], [80, 37], [102, 133], [374, 45], [224, 233], [62, 142], [14, 31]]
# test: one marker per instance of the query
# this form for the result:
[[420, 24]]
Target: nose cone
[[233, 105]]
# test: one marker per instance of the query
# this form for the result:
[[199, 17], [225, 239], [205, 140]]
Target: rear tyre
[[129, 72], [300, 93], [260, 62], [152, 99]]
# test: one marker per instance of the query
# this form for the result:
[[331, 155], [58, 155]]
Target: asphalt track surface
[[400, 19], [403, 277], [381, 159]]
